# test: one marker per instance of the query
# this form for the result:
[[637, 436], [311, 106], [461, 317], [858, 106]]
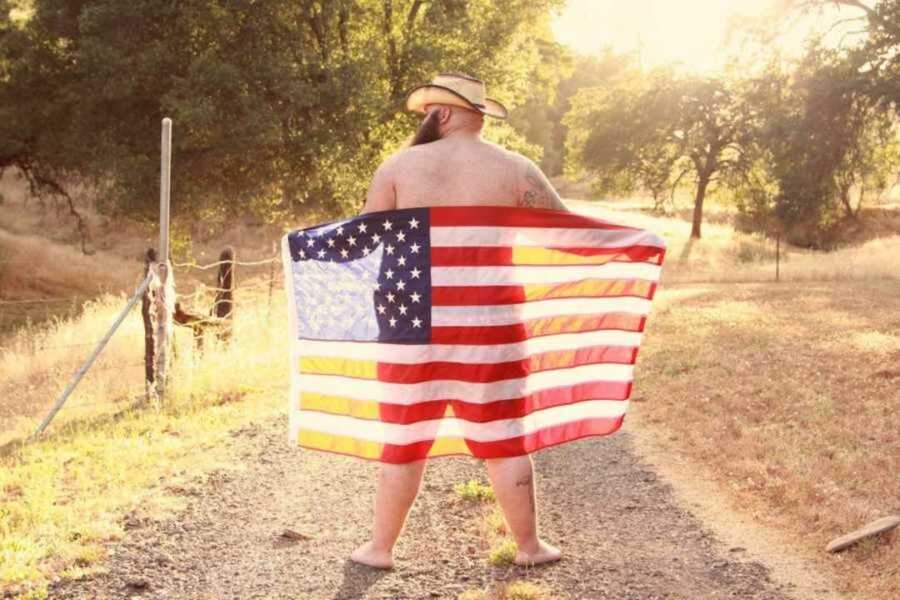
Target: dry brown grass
[[790, 395], [724, 254]]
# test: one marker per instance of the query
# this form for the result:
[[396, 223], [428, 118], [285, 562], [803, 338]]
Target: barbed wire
[[45, 300], [253, 263]]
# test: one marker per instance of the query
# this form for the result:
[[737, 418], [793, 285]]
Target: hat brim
[[422, 96]]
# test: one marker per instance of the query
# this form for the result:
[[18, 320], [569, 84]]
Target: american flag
[[482, 330]]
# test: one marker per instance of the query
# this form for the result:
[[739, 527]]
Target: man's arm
[[535, 190], [381, 195]]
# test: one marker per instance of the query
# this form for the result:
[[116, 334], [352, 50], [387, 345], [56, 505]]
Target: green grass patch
[[474, 491], [503, 553], [63, 499], [522, 590]]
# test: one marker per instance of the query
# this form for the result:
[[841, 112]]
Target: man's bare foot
[[371, 557], [545, 553]]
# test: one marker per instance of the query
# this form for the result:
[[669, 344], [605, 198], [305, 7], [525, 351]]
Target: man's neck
[[462, 133]]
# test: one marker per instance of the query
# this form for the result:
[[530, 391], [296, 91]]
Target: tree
[[819, 147], [651, 132], [279, 106]]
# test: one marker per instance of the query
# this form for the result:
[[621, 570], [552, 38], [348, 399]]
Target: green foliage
[[649, 131], [277, 106], [823, 147], [558, 76]]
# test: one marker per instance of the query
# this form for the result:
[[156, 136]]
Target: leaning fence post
[[90, 361]]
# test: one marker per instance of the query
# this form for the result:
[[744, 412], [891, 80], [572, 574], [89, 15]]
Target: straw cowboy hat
[[457, 90]]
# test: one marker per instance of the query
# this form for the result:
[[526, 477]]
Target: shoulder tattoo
[[539, 194]]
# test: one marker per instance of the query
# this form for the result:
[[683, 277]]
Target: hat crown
[[468, 87]]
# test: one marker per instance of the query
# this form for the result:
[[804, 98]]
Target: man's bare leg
[[513, 481], [397, 489]]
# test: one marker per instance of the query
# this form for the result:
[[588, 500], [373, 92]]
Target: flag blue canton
[[364, 279]]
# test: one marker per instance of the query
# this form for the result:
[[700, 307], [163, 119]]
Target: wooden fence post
[[223, 307], [778, 256], [148, 314]]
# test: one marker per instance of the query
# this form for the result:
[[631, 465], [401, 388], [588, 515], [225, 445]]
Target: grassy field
[[786, 393], [63, 497]]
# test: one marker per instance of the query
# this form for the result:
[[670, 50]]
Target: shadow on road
[[357, 579]]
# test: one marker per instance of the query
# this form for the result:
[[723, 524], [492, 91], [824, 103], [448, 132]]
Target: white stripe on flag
[[412, 393], [475, 354], [547, 237], [507, 314], [448, 427], [523, 275]]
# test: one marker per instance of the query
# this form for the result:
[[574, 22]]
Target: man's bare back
[[460, 168], [452, 165]]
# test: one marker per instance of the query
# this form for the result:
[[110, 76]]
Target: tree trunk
[[702, 183]]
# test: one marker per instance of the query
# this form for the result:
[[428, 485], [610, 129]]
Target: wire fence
[[39, 358]]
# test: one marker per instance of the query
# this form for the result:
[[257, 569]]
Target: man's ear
[[444, 114]]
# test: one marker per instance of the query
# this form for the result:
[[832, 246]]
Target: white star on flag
[[381, 309], [400, 285], [376, 238], [392, 321], [389, 249], [401, 261], [415, 273], [390, 297], [321, 254], [351, 240], [413, 224], [388, 225], [362, 227], [401, 237], [415, 296], [417, 322], [414, 248], [344, 253], [331, 242], [403, 309], [389, 274]]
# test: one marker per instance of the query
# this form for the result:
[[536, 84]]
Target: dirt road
[[621, 529]]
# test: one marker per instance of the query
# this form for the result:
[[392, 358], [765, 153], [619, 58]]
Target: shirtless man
[[448, 163]]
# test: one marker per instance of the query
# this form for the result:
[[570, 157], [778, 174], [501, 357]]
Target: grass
[[503, 553], [474, 491], [514, 590], [523, 590], [726, 255], [64, 497], [786, 393], [789, 395]]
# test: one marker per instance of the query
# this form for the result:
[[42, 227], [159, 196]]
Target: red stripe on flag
[[498, 256], [512, 408], [517, 332], [511, 216], [471, 295], [516, 446], [515, 369]]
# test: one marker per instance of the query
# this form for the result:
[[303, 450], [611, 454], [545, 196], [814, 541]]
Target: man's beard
[[429, 131]]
